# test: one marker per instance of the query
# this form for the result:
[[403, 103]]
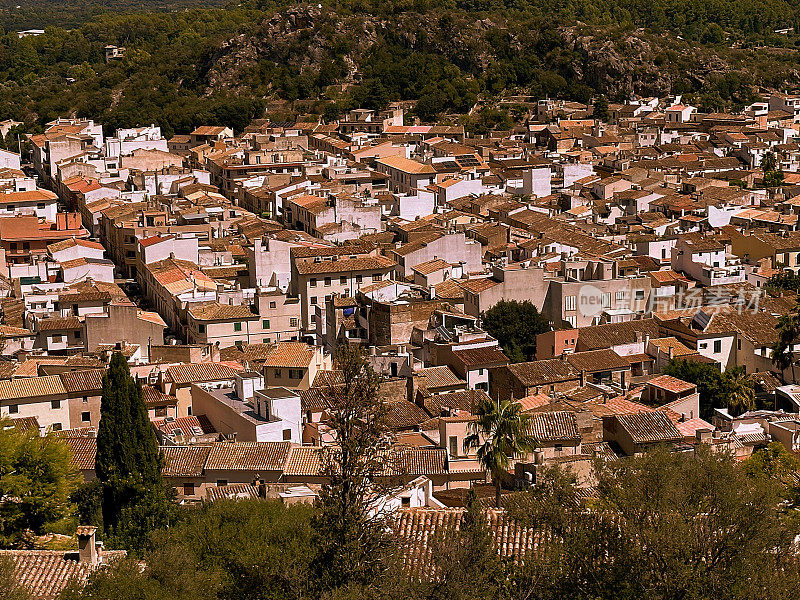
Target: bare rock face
[[304, 38]]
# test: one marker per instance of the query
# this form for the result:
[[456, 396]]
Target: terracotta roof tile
[[185, 461], [248, 456], [199, 372]]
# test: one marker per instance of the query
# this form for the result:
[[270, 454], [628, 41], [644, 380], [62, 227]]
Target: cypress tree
[[128, 462]]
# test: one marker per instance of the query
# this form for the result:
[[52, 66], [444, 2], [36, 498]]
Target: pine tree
[[128, 462]]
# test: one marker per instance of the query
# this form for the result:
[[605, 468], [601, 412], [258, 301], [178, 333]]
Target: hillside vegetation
[[188, 62]]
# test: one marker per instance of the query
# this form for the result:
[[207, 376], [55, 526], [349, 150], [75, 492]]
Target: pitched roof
[[185, 461], [597, 360], [290, 355], [489, 356], [83, 450], [649, 427], [406, 164], [555, 426], [46, 573], [196, 372], [616, 334], [439, 377], [31, 387], [671, 384], [89, 380], [222, 312], [248, 456], [543, 372], [304, 461]]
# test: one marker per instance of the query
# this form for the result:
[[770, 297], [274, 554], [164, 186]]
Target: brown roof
[[486, 356], [439, 377], [185, 461], [597, 360], [192, 373], [671, 384], [304, 461], [153, 397], [616, 334], [344, 265], [403, 414], [45, 573], [222, 312], [31, 387], [555, 426], [290, 355], [89, 380], [83, 450], [649, 427], [417, 529], [248, 456], [543, 372], [59, 324]]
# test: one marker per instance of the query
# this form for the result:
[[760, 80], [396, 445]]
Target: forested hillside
[[189, 62]]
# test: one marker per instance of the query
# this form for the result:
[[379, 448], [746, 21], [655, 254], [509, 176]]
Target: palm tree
[[500, 432], [741, 396], [783, 352]]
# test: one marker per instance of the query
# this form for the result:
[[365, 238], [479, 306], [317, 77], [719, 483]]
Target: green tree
[[226, 550], [9, 587], [708, 379], [36, 479], [129, 461], [350, 531], [662, 526], [784, 355], [740, 394], [515, 325], [601, 108], [500, 432]]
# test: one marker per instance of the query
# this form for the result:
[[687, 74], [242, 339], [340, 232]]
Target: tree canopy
[[36, 479], [515, 325]]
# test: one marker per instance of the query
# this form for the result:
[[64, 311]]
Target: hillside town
[[231, 269]]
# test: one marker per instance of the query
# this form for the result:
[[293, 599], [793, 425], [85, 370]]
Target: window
[[54, 404], [619, 296], [376, 278], [293, 322], [405, 502], [85, 399], [40, 206], [222, 482], [237, 326], [739, 344], [703, 345], [161, 411], [287, 434], [639, 294], [86, 417], [13, 409], [313, 299], [559, 447], [569, 303], [188, 489], [359, 279], [201, 328], [572, 320], [606, 299], [480, 371], [13, 246], [717, 346], [273, 305], [312, 282], [57, 339], [327, 282], [78, 334], [453, 445], [278, 373], [26, 245], [56, 426], [265, 323], [343, 280]]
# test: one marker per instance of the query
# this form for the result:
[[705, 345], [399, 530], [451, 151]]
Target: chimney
[[87, 545], [703, 436]]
